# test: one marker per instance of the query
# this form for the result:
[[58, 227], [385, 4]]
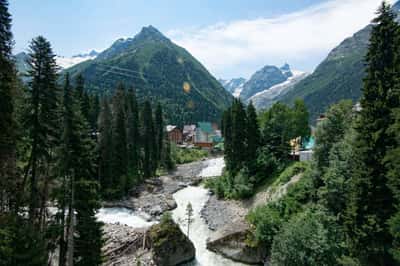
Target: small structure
[[189, 132], [174, 134], [204, 134]]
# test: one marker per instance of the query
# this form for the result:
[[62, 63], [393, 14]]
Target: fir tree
[[371, 200], [148, 140], [133, 148], [239, 136], [159, 131], [253, 137], [105, 147], [300, 120], [7, 122], [119, 159], [42, 120]]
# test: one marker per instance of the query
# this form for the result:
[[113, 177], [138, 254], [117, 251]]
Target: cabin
[[174, 134], [204, 135]]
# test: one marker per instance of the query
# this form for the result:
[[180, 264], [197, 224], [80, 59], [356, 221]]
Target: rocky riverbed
[[154, 197]]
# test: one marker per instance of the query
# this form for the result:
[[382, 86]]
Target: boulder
[[169, 245], [230, 242]]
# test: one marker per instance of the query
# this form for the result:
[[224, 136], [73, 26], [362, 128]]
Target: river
[[198, 232]]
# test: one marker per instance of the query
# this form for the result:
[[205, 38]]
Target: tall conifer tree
[[7, 122], [370, 200], [43, 118]]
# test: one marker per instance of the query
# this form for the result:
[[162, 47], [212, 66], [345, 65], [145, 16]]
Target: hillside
[[338, 77], [160, 71]]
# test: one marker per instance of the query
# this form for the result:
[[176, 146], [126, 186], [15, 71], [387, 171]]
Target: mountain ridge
[[160, 71]]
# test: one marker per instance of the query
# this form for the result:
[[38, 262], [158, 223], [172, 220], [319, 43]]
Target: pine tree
[[239, 136], [83, 96], [43, 119], [94, 113], [253, 137], [8, 126], [159, 131], [300, 120], [133, 148], [227, 133], [105, 147], [148, 140], [119, 159], [371, 200], [82, 241]]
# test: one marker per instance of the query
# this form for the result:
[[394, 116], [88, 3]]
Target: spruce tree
[[148, 140], [119, 157], [82, 242], [300, 120], [133, 146], [159, 131], [43, 117], [7, 122], [105, 147], [371, 200], [239, 136], [253, 137]]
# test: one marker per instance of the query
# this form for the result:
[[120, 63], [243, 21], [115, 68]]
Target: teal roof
[[309, 144], [217, 139], [205, 127]]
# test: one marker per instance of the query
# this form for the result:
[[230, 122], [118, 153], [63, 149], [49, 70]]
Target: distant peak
[[150, 32], [285, 67]]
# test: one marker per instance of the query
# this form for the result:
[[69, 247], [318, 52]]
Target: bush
[[186, 155], [309, 238], [266, 221]]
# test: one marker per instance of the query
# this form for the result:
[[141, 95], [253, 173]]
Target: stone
[[230, 242]]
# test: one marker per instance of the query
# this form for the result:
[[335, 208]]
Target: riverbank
[[154, 197]]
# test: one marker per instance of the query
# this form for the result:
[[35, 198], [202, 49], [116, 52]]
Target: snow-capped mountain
[[265, 78], [234, 86], [63, 62], [67, 62], [269, 96]]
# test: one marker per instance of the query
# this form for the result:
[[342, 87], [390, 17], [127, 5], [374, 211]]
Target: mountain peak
[[150, 33]]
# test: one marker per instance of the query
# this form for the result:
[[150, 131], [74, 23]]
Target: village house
[[174, 134], [204, 134]]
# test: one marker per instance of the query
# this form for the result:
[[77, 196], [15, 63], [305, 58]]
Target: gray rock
[[230, 242]]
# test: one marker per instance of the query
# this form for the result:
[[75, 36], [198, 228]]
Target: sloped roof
[[170, 128], [205, 127]]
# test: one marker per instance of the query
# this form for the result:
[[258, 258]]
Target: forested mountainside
[[160, 71], [339, 76]]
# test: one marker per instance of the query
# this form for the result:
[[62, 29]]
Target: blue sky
[[230, 37]]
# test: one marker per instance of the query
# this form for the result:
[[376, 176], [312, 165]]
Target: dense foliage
[[61, 153], [254, 153], [345, 208]]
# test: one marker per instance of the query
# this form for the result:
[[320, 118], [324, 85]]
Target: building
[[204, 135], [189, 132], [174, 134]]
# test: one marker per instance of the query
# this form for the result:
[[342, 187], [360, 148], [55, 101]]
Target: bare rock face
[[230, 242], [169, 245]]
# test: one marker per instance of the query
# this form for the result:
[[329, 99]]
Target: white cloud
[[238, 48]]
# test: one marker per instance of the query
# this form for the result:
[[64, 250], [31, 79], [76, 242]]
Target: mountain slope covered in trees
[[338, 77], [159, 71]]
